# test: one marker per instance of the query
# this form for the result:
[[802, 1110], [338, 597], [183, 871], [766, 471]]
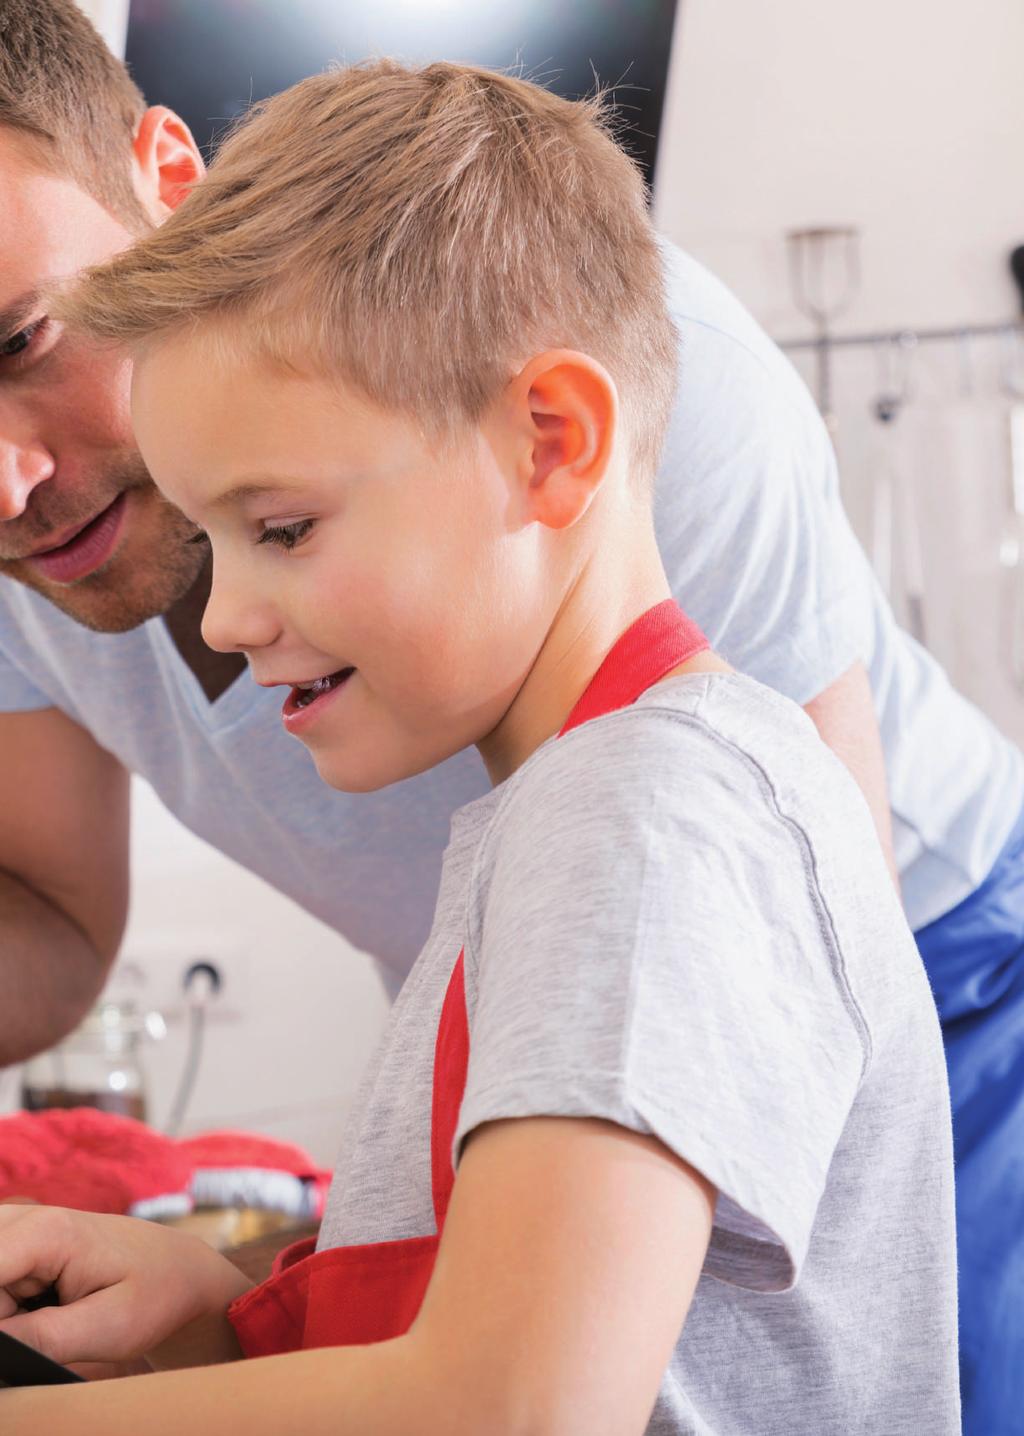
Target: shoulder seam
[[823, 913]]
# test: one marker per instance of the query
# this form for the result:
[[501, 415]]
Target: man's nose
[[23, 466], [237, 619]]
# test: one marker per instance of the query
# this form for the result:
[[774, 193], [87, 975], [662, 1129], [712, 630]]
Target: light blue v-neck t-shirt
[[758, 551]]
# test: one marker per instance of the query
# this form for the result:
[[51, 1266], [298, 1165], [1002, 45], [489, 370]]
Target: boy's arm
[[569, 1259], [844, 715]]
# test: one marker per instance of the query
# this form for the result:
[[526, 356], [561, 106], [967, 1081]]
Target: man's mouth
[[83, 551]]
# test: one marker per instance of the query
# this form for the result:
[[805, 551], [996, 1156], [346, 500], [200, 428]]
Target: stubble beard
[[149, 571]]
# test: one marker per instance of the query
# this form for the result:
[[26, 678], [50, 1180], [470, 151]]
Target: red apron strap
[[451, 1060], [657, 642]]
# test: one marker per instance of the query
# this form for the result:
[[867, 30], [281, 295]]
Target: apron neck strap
[[657, 642]]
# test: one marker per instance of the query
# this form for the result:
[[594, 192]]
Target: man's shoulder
[[723, 350]]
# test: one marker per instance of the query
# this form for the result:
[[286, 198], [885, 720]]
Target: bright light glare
[[433, 6]]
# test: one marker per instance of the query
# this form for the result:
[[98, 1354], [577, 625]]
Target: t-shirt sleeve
[[18, 694], [648, 947], [751, 527]]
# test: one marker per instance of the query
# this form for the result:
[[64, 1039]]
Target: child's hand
[[127, 1288]]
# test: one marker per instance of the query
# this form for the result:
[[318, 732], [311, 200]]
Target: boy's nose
[[22, 468], [235, 621]]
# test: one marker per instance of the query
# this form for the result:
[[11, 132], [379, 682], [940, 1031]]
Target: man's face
[[348, 548], [81, 522]]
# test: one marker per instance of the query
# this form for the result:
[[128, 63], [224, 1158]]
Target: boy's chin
[[351, 772]]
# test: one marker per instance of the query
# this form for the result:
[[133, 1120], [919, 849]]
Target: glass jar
[[97, 1065]]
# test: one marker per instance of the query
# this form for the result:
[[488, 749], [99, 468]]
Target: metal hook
[[895, 362], [811, 253], [965, 356], [1012, 376]]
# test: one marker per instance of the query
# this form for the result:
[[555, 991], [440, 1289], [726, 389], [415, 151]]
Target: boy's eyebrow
[[252, 488], [15, 316]]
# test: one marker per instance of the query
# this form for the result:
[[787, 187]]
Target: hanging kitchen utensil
[[824, 275], [895, 528]]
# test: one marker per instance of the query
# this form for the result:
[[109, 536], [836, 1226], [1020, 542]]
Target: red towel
[[94, 1161], [91, 1160]]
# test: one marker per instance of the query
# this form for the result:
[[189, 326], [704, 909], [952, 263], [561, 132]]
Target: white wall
[[906, 120], [301, 1009]]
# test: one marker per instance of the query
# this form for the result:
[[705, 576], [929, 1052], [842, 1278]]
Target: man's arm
[[63, 876], [569, 1260], [844, 715]]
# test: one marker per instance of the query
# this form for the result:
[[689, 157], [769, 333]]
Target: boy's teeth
[[317, 686]]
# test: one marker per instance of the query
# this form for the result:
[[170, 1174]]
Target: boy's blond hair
[[71, 100], [417, 232]]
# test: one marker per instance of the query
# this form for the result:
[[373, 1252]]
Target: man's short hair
[[419, 233], [75, 104]]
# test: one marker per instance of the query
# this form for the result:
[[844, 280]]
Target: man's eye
[[18, 343], [286, 535]]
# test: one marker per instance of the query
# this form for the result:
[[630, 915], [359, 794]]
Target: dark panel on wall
[[208, 59]]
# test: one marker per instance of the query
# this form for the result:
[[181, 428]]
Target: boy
[[670, 1029]]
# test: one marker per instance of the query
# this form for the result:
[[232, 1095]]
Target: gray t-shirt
[[677, 918]]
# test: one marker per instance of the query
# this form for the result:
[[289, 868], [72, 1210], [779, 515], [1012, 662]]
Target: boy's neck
[[598, 609]]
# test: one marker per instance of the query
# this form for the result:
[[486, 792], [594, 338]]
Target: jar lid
[[122, 1019]]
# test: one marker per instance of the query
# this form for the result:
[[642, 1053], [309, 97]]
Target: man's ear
[[566, 412], [166, 163]]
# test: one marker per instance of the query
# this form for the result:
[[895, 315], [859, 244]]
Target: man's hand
[[127, 1289]]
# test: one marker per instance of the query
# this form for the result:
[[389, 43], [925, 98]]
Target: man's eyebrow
[[16, 315]]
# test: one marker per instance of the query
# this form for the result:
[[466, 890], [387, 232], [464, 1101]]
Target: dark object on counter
[[121, 1104], [22, 1365], [1017, 270]]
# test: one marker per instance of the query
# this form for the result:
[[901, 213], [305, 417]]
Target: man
[[103, 671]]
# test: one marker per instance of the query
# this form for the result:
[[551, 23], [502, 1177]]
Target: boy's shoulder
[[711, 785], [700, 745]]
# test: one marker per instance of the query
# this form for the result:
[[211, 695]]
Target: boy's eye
[[286, 535], [17, 344]]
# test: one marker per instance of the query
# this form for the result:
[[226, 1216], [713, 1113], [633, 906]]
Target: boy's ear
[[166, 163], [566, 416]]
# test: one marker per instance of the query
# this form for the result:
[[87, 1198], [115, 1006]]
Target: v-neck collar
[[235, 703]]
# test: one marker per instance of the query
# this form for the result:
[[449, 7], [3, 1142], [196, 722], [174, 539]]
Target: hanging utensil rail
[[895, 336]]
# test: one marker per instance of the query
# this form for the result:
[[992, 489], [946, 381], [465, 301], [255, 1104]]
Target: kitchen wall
[[904, 120]]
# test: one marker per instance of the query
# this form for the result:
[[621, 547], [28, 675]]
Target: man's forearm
[[50, 972], [844, 716]]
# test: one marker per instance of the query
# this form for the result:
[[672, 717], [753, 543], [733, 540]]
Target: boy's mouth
[[305, 694], [305, 701]]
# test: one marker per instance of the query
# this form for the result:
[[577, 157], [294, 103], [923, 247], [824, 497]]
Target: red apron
[[349, 1296]]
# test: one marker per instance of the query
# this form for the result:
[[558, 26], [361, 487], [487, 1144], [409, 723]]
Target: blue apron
[[975, 961]]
